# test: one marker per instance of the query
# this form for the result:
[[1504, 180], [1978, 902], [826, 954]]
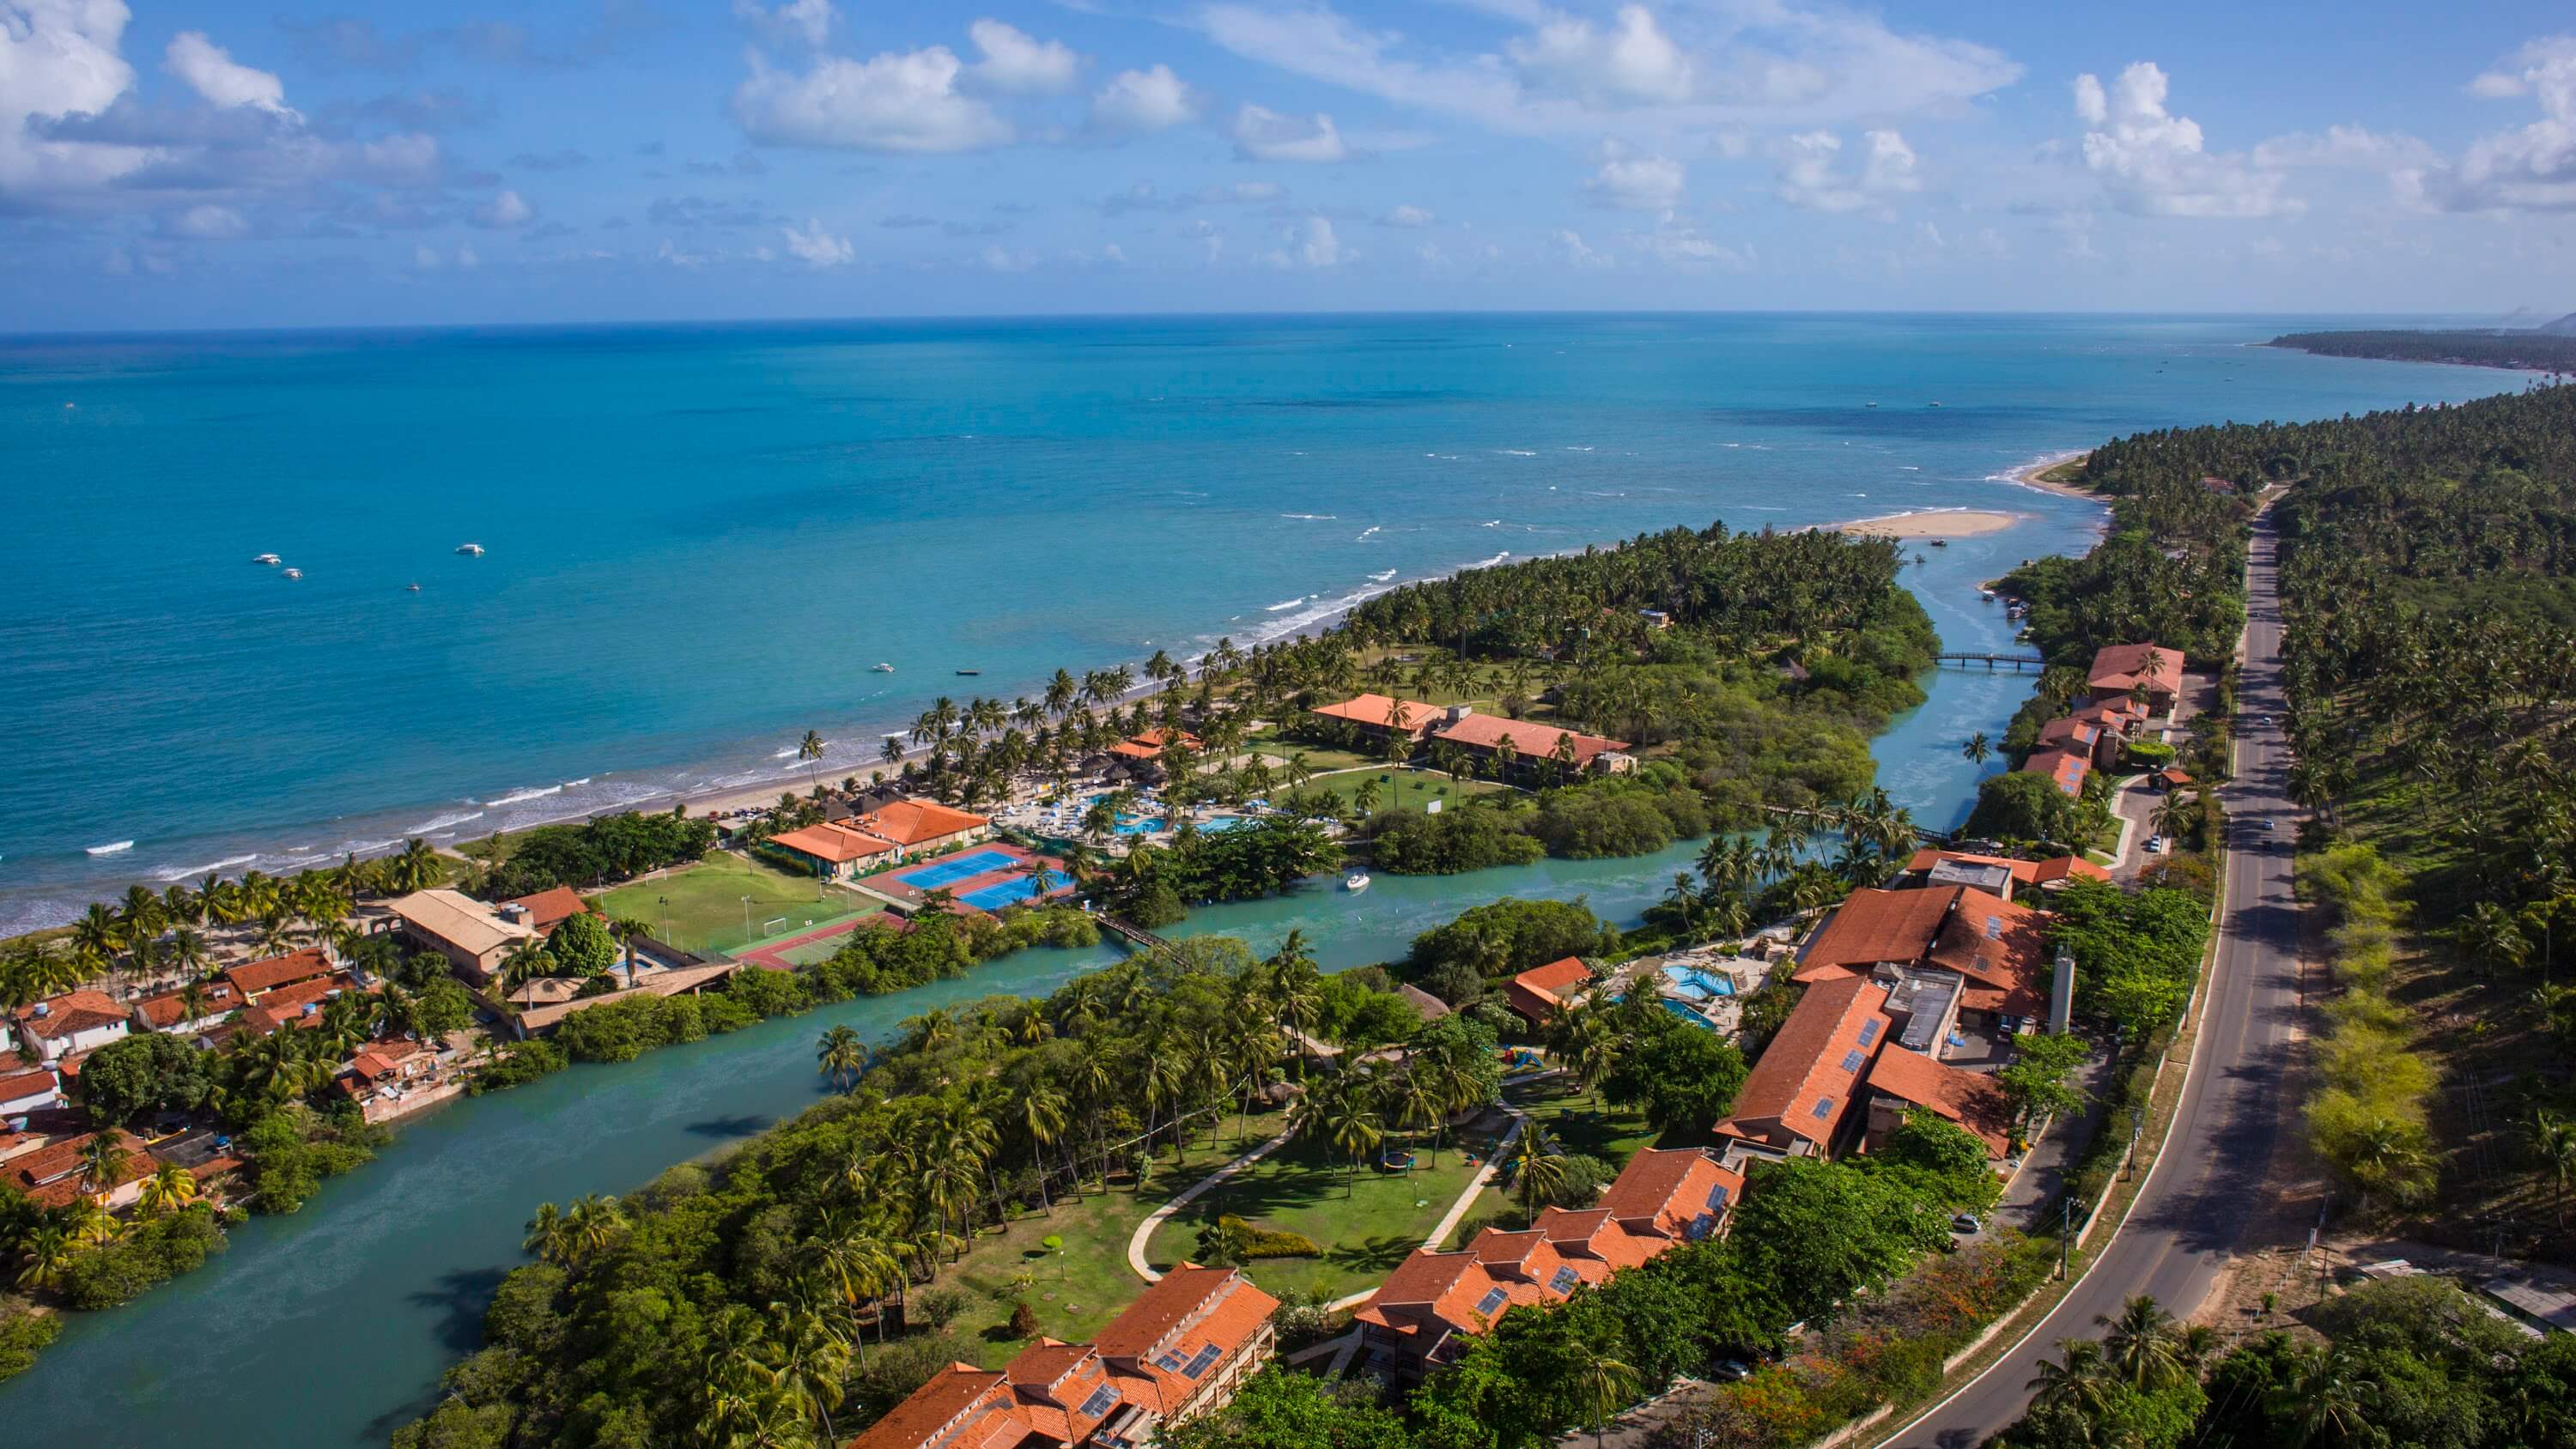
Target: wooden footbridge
[[1995, 661], [1134, 935]]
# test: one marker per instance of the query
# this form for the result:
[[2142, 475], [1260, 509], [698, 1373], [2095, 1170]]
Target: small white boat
[[269, 559], [881, 669], [112, 847], [470, 550], [1356, 882], [295, 573], [411, 588]]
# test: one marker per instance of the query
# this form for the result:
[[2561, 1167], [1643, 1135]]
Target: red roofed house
[[169, 1010], [69, 1024], [2120, 669], [545, 910], [1798, 1096], [835, 851], [1184, 1346], [961, 1406], [1533, 745], [1902, 1079], [1995, 947], [257, 978], [51, 1175], [1065, 1391], [1996, 875], [1539, 993], [1151, 744], [1678, 1193], [1378, 716], [24, 1092], [923, 827], [382, 1064], [297, 1006], [2066, 769]]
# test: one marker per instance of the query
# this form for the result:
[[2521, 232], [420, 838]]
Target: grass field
[[1566, 1113], [700, 908], [1077, 1291], [1365, 1224], [1407, 789]]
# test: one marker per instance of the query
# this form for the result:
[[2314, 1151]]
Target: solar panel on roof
[[1851, 1061], [1492, 1300], [1824, 1107], [1869, 1031], [1717, 1197], [1702, 1226], [1102, 1400], [1994, 928], [1170, 1363], [1565, 1280], [1199, 1362]]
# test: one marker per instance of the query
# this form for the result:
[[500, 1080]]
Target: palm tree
[[1604, 1385], [2141, 1345], [169, 1188], [102, 1163], [46, 1252], [1043, 1112], [1352, 1124], [89, 1221], [2553, 1141], [810, 750], [593, 1223], [2327, 1403], [1978, 749], [1538, 1169], [416, 868], [2078, 1386], [549, 1235], [842, 1056]]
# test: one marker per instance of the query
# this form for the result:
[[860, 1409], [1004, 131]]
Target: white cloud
[[1145, 100], [1808, 178], [212, 223], [1409, 216], [2531, 167], [818, 248], [1683, 246], [2154, 162], [808, 21], [214, 74], [1262, 134], [1017, 61], [504, 211], [899, 101], [1317, 248], [423, 259], [997, 259], [1634, 62], [60, 58], [2349, 147], [1637, 183], [1580, 255]]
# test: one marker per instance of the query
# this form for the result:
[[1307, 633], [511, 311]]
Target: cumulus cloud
[[211, 223], [1262, 134], [1408, 216], [2154, 162], [899, 101], [805, 21], [211, 72], [1144, 100], [1637, 183], [1682, 246], [1017, 61], [1312, 245], [1580, 254], [505, 210], [2529, 168], [60, 58], [818, 248], [1632, 62], [1810, 177], [2347, 147]]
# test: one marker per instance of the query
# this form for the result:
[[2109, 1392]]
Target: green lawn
[[1407, 789], [1566, 1113], [700, 908], [1319, 758], [1366, 1223], [1076, 1292]]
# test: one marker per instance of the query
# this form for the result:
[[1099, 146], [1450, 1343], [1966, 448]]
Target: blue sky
[[175, 163]]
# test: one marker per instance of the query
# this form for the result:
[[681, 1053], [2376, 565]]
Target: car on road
[[1965, 1223], [2265, 825], [2155, 845]]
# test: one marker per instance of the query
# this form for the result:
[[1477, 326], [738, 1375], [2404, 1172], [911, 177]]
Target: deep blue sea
[[698, 539]]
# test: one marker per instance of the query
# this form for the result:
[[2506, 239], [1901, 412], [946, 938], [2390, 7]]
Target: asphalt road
[[2207, 1183]]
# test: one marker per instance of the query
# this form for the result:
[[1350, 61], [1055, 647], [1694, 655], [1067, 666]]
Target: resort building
[[297, 1006], [835, 851], [1901, 1080], [70, 1024], [545, 910], [1541, 993], [1798, 1097], [2066, 769], [1377, 716], [464, 930], [52, 1175], [1534, 747], [1996, 875], [169, 1011], [1180, 1350], [1434, 1302], [255, 979], [923, 827], [25, 1092], [2121, 671], [1955, 956], [1152, 743]]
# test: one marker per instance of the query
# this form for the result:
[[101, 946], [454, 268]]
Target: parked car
[[1730, 1370], [2155, 845], [1965, 1223]]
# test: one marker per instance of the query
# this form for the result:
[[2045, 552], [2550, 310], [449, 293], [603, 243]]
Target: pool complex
[[950, 870], [1696, 984]]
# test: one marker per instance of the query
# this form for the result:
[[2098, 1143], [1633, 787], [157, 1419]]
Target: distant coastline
[[2514, 351]]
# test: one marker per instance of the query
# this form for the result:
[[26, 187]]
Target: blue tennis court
[[954, 869], [1012, 892]]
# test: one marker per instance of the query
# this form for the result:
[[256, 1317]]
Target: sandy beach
[[1946, 523], [2028, 475]]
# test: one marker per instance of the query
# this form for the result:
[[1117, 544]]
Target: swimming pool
[[1224, 823], [1696, 984], [1685, 1013], [954, 869], [1014, 891]]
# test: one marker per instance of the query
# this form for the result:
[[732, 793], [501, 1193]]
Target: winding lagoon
[[331, 1327]]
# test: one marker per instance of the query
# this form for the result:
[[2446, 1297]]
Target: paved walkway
[[1188, 1195]]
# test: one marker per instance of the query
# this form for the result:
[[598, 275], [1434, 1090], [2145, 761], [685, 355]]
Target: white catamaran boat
[[881, 669], [470, 550], [1356, 882], [269, 559]]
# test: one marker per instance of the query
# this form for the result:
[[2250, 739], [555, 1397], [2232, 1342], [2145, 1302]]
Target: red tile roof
[[1680, 1192], [1540, 992], [832, 842], [2065, 769], [1973, 1100], [2001, 948], [73, 1011], [28, 1084], [961, 1405], [549, 909], [285, 1006], [165, 1011], [910, 822], [1151, 744], [1875, 925], [258, 976], [1596, 1233], [51, 1176], [380, 1059], [2123, 666], [2064, 866], [1191, 1309], [1531, 741], [1412, 716], [1807, 1077]]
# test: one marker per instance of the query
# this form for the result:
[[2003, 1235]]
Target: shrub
[[152, 1251], [23, 1335], [1024, 1321], [516, 1064]]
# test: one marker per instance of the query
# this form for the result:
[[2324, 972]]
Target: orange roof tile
[[1807, 1077], [51, 1175], [285, 1006], [1872, 926], [28, 1084], [166, 1011], [910, 822], [957, 1399], [2123, 666], [73, 1011], [550, 908], [1529, 741], [1973, 1100], [1678, 1192], [2065, 866], [2001, 948], [1411, 716], [833, 842], [2065, 769], [258, 976]]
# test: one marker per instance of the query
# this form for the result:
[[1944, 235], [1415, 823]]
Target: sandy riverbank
[[2028, 475], [1944, 523]]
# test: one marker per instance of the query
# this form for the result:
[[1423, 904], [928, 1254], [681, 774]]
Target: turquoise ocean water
[[671, 596], [698, 539]]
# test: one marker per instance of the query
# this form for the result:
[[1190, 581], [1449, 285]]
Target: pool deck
[[904, 896]]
